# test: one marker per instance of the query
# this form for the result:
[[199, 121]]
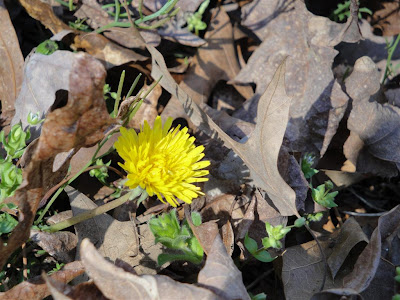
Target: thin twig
[[357, 214], [24, 262], [366, 202], [259, 278]]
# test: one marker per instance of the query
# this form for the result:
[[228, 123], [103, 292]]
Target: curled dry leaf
[[318, 101], [115, 239], [80, 123], [387, 19], [60, 245], [221, 275], [83, 120], [303, 267], [83, 291], [213, 62], [115, 283], [375, 128], [265, 141], [11, 65], [374, 270], [36, 288]]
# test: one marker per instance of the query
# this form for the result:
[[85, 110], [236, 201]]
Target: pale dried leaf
[[115, 239], [60, 245], [265, 141], [115, 283], [318, 101], [11, 64], [221, 275]]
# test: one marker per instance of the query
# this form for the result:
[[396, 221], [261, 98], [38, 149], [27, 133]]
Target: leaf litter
[[296, 86]]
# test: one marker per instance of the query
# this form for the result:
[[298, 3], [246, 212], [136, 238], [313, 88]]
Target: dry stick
[[366, 202], [357, 214], [338, 216], [322, 256]]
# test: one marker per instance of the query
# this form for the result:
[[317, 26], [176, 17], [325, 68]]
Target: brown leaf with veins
[[221, 275], [265, 141], [375, 268], [36, 288], [80, 123], [303, 268], [11, 65], [115, 283], [83, 120], [213, 62], [288, 29], [387, 18]]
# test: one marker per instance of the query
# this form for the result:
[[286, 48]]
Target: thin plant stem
[[134, 84], [94, 158], [119, 91], [391, 50], [117, 10], [98, 210]]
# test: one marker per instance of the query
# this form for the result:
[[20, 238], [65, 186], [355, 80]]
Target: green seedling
[[342, 11], [273, 240], [47, 47], [167, 231], [306, 166], [323, 196], [78, 24], [260, 296], [390, 70], [7, 222], [194, 21], [315, 217]]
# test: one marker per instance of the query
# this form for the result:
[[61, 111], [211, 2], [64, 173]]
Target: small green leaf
[[250, 244], [264, 256], [196, 218], [300, 222], [47, 47], [7, 223]]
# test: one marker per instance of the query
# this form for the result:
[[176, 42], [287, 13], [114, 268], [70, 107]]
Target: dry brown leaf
[[96, 17], [213, 62], [387, 19], [115, 239], [374, 270], [80, 123], [337, 294], [221, 275], [36, 288], [44, 76], [43, 12], [115, 283], [318, 101], [61, 245], [373, 46], [83, 120], [375, 128], [11, 65], [303, 267], [83, 291], [264, 143]]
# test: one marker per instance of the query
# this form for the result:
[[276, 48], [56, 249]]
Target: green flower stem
[[97, 211], [391, 50], [94, 158]]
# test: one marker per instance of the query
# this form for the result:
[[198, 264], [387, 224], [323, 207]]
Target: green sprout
[[391, 47], [306, 163], [47, 47], [343, 11], [194, 20], [322, 195], [78, 24], [15, 143], [273, 240], [167, 231]]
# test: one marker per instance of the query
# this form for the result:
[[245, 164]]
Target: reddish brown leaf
[[11, 65]]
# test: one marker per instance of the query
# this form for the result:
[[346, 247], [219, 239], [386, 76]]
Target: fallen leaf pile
[[267, 83]]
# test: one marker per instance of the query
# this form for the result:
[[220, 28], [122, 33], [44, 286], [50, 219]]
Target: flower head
[[164, 162]]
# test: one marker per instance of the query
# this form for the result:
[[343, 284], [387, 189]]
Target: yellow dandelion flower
[[164, 162]]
